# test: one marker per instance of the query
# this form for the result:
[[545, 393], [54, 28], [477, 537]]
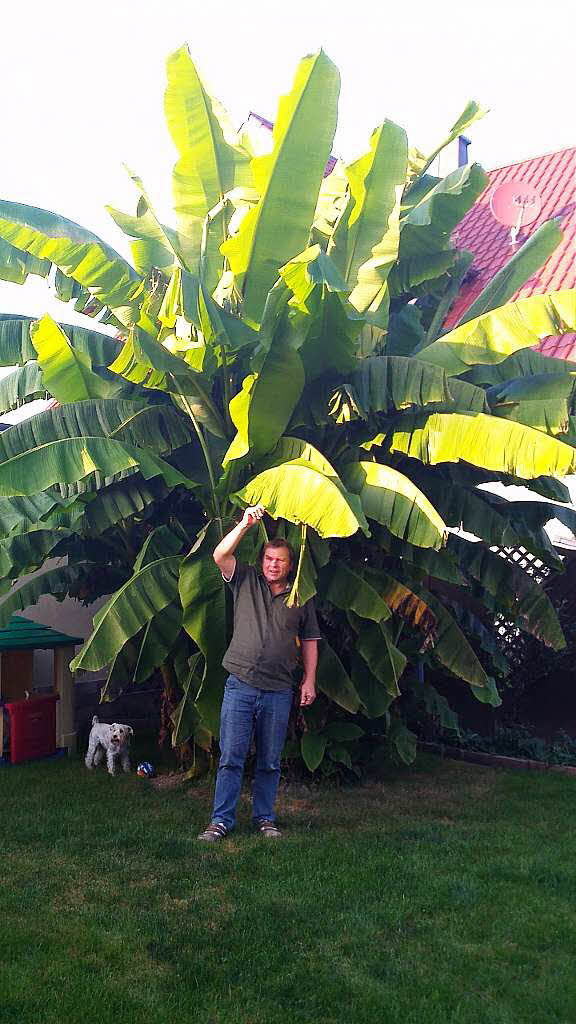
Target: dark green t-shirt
[[264, 647]]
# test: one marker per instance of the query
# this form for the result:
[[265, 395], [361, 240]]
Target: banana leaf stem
[[226, 381], [206, 454]]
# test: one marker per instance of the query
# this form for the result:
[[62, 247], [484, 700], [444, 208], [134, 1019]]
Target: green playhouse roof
[[23, 634]]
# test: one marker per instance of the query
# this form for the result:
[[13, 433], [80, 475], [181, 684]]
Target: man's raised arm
[[224, 551]]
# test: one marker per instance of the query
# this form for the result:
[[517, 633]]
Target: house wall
[[68, 616]]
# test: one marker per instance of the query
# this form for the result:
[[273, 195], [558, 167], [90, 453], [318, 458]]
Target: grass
[[442, 894]]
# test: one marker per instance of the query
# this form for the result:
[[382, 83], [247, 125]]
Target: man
[[261, 660]]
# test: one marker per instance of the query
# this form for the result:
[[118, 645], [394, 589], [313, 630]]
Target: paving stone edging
[[498, 760]]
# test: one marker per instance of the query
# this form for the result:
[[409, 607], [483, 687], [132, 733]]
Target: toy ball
[[145, 770]]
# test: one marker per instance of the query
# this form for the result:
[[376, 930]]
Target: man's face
[[276, 565]]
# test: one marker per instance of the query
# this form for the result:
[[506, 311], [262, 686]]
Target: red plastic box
[[32, 727]]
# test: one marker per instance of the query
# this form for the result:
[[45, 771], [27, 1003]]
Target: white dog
[[110, 740]]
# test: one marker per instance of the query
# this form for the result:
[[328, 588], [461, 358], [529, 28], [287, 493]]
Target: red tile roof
[[554, 177]]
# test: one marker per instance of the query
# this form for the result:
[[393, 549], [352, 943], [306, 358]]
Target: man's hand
[[224, 551], [307, 694], [252, 516]]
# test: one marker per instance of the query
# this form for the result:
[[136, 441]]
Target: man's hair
[[279, 542]]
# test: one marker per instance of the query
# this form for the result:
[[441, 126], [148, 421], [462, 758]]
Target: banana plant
[[282, 343]]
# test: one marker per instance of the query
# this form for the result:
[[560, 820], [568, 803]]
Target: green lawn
[[442, 894]]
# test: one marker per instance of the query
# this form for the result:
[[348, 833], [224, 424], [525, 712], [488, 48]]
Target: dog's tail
[[95, 720]]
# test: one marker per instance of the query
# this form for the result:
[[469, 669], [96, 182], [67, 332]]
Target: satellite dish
[[515, 204]]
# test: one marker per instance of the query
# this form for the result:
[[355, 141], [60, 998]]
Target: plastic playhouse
[[35, 721]]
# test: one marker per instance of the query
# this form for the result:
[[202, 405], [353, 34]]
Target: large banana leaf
[[387, 383], [133, 364], [333, 679], [439, 709], [312, 554], [486, 637], [326, 316], [221, 330], [402, 741], [304, 582], [536, 514], [515, 592], [486, 441], [524, 263], [160, 543], [543, 401], [67, 372], [313, 747], [23, 385], [145, 361], [55, 582], [373, 228], [347, 590], [262, 410], [451, 647], [441, 565], [120, 669], [405, 331], [153, 244], [154, 428], [15, 265], [121, 501], [288, 180], [384, 659], [328, 319], [294, 449], [332, 200], [299, 493], [27, 551], [18, 515], [16, 346], [548, 487], [488, 694], [497, 521], [185, 719], [100, 348], [395, 502], [158, 639], [524, 363], [74, 458], [77, 252], [67, 290], [408, 274], [203, 597], [303, 273], [374, 696], [142, 597], [492, 337], [86, 489], [211, 160], [464, 397], [148, 239], [406, 604], [427, 227]]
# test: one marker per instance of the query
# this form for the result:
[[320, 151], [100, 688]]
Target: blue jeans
[[247, 710]]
